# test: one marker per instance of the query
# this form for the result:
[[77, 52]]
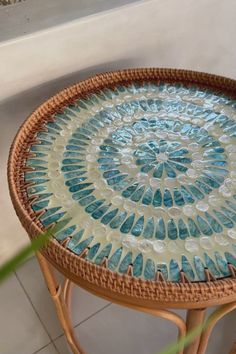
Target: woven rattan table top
[[143, 162]]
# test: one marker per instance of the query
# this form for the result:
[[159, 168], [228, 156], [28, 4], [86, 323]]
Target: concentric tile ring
[[146, 173]]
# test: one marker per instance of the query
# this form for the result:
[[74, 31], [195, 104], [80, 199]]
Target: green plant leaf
[[36, 244], [183, 342]]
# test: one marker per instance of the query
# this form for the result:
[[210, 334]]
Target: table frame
[[61, 296]]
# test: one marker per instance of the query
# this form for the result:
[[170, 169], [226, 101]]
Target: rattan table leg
[[61, 301], [212, 320], [194, 319]]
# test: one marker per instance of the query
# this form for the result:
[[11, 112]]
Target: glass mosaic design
[[147, 174]]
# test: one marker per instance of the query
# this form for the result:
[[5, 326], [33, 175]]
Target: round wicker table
[[143, 163]]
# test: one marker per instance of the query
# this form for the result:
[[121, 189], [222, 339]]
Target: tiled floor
[[28, 324]]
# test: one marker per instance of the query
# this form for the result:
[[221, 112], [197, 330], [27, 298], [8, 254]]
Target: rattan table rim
[[98, 279]]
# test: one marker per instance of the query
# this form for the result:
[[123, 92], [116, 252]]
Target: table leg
[[220, 312], [61, 300], [194, 318], [61, 297]]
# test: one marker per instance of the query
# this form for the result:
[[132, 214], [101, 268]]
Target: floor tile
[[120, 330], [223, 336], [21, 331], [83, 303], [49, 349]]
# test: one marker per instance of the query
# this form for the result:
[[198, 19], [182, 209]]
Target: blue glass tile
[[49, 212], [157, 199], [93, 251], [200, 269], [187, 269], [157, 173], [116, 179], [104, 253], [174, 271], [86, 200], [160, 229], [230, 258], [172, 229], [187, 195], [94, 206], [211, 266], [43, 196], [127, 260], [193, 229], [137, 195], [109, 216], [169, 170], [178, 166], [230, 214], [71, 161], [204, 226], [127, 225], [79, 187], [82, 245], [75, 239], [75, 181], [70, 168], [147, 197], [222, 264], [167, 198], [212, 183], [35, 162], [149, 270], [138, 265], [183, 230], [163, 269], [149, 228], [98, 213], [215, 225], [138, 227], [40, 205], [36, 189], [196, 192], [115, 259], [118, 220], [60, 236], [223, 219], [231, 204], [203, 187], [178, 198], [31, 175]]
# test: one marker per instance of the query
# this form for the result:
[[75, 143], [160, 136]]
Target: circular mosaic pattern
[[147, 175]]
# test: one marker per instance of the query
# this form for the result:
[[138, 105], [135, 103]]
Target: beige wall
[[168, 33]]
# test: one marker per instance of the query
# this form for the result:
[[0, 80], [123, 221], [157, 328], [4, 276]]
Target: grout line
[[95, 313], [55, 347], [52, 340], [37, 314], [86, 319], [45, 346]]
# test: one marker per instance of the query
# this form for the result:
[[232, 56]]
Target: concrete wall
[[167, 33]]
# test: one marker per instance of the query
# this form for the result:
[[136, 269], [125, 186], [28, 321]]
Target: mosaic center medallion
[[147, 175]]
